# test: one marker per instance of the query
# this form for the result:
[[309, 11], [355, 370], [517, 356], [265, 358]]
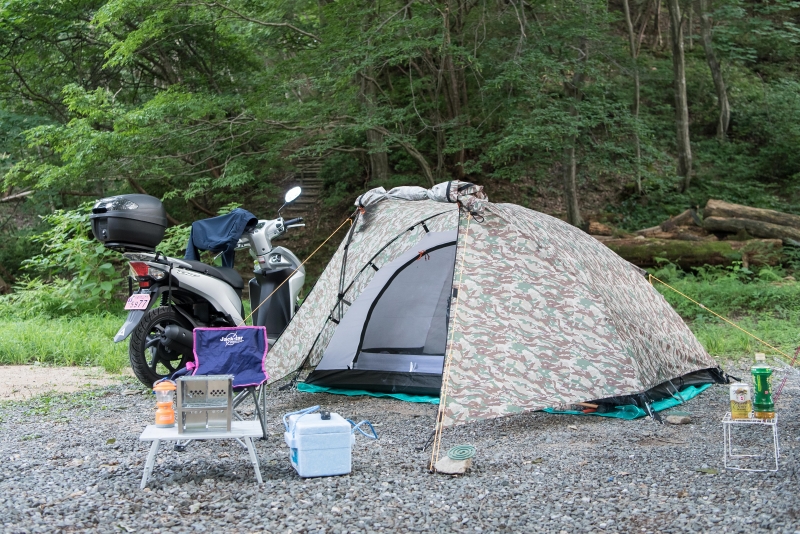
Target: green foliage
[[74, 273], [762, 301], [63, 341], [208, 104], [730, 291], [17, 247], [175, 240], [342, 175]]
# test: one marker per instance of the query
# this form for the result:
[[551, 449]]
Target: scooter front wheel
[[151, 359]]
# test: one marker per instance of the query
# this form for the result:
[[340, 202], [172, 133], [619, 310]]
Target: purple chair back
[[239, 351]]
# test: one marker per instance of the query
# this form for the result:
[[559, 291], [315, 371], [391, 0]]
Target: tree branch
[[78, 194], [259, 22], [140, 189], [18, 196], [207, 211], [415, 154]]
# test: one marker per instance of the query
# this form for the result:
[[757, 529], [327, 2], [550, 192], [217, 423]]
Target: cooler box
[[319, 448]]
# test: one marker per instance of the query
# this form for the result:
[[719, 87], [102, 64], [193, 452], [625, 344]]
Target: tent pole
[[437, 440]]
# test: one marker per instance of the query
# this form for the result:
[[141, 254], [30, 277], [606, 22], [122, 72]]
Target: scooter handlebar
[[290, 222]]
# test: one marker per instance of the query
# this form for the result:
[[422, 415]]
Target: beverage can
[[741, 402]]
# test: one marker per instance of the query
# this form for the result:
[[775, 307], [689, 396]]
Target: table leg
[[777, 445], [253, 458], [725, 445], [151, 460]]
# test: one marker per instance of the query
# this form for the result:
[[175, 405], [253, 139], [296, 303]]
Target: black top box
[[129, 222]]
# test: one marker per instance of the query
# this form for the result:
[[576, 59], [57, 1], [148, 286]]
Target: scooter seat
[[226, 274]]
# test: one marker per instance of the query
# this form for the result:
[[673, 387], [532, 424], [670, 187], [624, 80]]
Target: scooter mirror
[[292, 194]]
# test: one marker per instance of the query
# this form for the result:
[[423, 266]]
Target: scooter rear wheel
[[150, 359]]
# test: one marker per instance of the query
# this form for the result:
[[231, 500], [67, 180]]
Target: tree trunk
[[571, 187], [378, 160], [690, 26], [635, 107], [681, 103], [414, 154], [719, 208], [657, 41], [716, 70], [645, 22], [648, 252], [572, 91]]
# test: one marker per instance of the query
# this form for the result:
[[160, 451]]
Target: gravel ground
[[18, 382], [73, 462]]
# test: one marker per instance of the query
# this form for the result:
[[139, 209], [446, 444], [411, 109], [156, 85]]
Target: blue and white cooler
[[321, 447]]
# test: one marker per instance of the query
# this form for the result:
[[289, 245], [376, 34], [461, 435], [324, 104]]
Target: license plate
[[137, 302]]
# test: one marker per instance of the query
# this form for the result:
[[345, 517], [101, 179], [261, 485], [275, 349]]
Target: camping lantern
[[165, 414], [763, 407]]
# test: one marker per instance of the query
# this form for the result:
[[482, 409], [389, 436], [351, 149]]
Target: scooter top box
[[129, 222]]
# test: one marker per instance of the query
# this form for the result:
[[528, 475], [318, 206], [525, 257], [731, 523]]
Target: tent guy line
[[244, 321], [779, 351]]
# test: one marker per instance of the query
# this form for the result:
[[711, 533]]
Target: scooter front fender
[[128, 326]]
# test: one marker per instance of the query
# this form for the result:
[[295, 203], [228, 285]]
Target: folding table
[[241, 431], [727, 441]]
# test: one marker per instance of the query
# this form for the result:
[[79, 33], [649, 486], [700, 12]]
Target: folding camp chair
[[239, 351]]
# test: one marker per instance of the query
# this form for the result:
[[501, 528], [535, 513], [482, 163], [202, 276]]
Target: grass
[[66, 341], [83, 340], [764, 302], [726, 342]]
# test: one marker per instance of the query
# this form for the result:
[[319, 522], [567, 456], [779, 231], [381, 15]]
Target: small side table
[[242, 431], [728, 423]]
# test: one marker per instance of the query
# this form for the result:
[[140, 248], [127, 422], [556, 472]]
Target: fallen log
[[684, 233], [687, 218], [752, 227], [598, 228], [719, 208], [650, 252]]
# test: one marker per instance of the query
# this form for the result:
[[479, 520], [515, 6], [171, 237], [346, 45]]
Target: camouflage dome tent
[[518, 310]]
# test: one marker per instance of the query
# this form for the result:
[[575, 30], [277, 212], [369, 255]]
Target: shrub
[[72, 275]]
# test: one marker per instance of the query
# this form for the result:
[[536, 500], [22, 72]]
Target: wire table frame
[[727, 425]]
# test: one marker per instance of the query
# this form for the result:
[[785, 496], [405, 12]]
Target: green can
[[763, 407]]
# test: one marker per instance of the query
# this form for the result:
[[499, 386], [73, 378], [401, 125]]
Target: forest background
[[622, 111]]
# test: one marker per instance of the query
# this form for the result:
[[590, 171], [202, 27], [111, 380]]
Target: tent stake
[[427, 441]]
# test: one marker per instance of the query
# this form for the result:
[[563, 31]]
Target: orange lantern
[[165, 414]]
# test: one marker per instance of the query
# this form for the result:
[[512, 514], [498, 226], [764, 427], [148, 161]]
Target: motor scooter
[[175, 295]]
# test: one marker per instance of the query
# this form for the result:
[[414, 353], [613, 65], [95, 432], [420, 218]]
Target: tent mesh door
[[406, 330]]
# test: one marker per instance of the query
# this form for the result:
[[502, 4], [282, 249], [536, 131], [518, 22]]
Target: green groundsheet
[[310, 388], [631, 411], [627, 411]]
